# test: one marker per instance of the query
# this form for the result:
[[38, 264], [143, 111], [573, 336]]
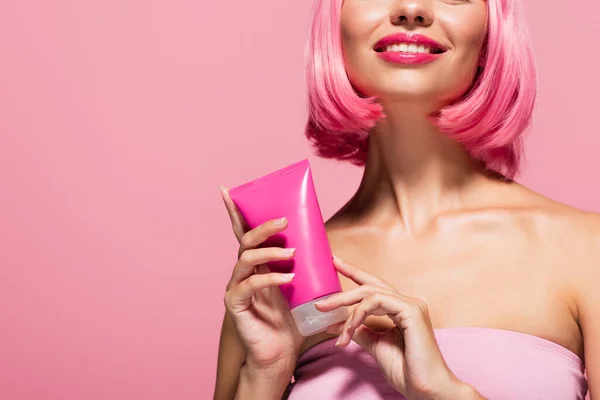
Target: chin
[[398, 94], [420, 85], [413, 90]]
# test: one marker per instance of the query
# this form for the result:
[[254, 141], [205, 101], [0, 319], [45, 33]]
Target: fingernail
[[290, 251], [336, 258], [287, 277], [322, 302], [337, 343], [281, 221]]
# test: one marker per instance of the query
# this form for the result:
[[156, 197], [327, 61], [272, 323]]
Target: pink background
[[119, 120]]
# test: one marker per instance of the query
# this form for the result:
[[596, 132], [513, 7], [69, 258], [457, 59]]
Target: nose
[[412, 13]]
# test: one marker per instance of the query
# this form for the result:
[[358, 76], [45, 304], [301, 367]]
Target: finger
[[342, 341], [239, 298], [363, 335], [366, 338], [349, 297], [336, 329], [377, 303], [238, 222], [252, 258], [261, 233], [358, 275]]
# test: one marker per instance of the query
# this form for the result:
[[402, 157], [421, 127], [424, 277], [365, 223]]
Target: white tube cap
[[310, 321]]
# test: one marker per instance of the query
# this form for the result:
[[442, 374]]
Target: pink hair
[[489, 120]]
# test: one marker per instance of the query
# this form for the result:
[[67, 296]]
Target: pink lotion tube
[[290, 193]]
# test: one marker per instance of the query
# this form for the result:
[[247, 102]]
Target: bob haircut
[[488, 120]]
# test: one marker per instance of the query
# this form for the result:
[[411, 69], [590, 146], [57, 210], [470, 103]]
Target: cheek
[[359, 19], [466, 30]]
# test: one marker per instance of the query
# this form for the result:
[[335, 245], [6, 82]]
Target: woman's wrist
[[259, 384]]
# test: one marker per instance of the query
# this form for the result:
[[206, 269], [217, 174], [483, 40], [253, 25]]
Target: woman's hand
[[407, 354], [262, 318]]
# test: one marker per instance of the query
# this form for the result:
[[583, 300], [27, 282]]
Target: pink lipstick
[[408, 48]]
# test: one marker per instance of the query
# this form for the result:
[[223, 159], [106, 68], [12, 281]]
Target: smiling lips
[[408, 48]]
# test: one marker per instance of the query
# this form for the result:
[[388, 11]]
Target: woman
[[463, 283]]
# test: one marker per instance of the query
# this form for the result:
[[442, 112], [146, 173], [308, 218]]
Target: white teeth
[[408, 48]]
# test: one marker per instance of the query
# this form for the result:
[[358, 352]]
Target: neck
[[413, 172]]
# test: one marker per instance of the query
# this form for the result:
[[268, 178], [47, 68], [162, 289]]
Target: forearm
[[452, 389], [460, 391], [255, 385], [468, 392]]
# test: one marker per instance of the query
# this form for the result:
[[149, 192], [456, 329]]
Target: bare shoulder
[[582, 234], [572, 230], [572, 237], [581, 247]]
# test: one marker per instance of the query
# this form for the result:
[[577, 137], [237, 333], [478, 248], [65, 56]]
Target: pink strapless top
[[500, 364]]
